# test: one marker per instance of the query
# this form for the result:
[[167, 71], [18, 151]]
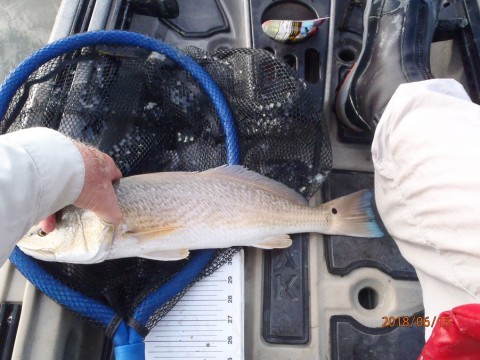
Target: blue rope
[[126, 340]]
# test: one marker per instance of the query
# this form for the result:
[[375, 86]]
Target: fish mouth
[[40, 254], [32, 244], [92, 251]]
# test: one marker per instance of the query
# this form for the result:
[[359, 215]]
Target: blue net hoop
[[128, 342]]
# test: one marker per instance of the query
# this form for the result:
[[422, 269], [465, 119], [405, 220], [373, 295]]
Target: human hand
[[97, 193]]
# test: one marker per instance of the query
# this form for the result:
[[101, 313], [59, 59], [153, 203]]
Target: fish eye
[[41, 233]]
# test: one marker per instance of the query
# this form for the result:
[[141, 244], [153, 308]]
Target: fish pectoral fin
[[146, 236], [274, 242], [167, 255]]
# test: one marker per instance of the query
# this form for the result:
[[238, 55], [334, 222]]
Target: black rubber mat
[[285, 304], [351, 340]]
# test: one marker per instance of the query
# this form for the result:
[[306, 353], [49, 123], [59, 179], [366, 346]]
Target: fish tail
[[353, 215]]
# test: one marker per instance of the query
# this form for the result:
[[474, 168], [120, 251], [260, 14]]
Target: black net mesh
[[150, 115]]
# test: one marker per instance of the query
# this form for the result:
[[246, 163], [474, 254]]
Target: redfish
[[167, 214]]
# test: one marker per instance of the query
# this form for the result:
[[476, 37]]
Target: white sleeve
[[41, 171]]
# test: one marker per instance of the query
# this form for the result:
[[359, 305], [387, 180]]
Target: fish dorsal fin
[[274, 242], [167, 255], [241, 174]]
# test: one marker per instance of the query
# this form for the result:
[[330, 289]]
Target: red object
[[456, 335]]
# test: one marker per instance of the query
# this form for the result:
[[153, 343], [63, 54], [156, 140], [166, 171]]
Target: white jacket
[[41, 171]]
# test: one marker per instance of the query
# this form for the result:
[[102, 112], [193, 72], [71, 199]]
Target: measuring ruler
[[207, 322]]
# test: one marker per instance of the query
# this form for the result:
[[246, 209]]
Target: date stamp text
[[418, 321]]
